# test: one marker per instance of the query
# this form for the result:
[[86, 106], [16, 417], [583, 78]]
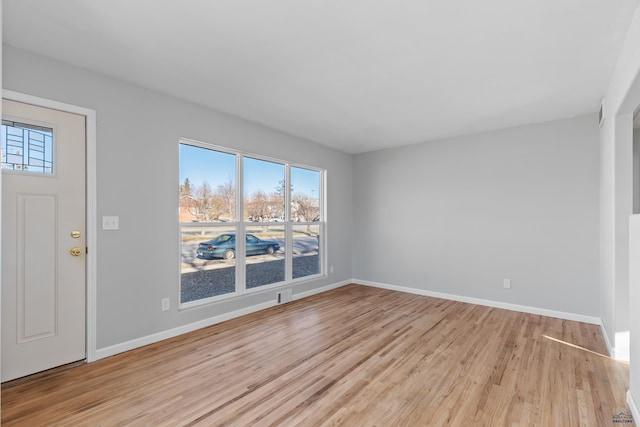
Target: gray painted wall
[[636, 171], [460, 215], [137, 142], [634, 314]]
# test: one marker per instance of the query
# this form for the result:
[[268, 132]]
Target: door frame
[[91, 205]]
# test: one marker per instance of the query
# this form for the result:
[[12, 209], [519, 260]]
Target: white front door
[[43, 239]]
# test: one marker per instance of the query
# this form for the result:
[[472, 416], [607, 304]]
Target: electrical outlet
[[165, 304], [506, 283]]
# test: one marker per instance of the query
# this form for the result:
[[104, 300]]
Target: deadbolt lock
[[75, 234]]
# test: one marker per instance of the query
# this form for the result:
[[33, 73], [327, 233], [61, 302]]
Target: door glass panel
[[265, 255], [306, 250], [27, 148]]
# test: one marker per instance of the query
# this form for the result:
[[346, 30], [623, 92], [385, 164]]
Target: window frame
[[241, 225]]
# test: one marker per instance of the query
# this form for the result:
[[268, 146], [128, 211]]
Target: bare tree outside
[[257, 207], [281, 189], [227, 194], [208, 205], [306, 208], [185, 189], [204, 196]]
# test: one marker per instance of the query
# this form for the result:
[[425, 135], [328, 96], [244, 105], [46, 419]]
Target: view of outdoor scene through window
[[281, 241], [26, 148]]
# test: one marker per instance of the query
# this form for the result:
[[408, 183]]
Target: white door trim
[[91, 137]]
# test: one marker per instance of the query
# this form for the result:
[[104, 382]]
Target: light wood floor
[[355, 356]]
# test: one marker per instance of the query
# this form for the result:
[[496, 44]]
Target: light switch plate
[[110, 222]]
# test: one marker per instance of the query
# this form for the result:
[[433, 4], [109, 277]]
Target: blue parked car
[[224, 246]]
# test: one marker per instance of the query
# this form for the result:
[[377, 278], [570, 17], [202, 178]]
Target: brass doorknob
[[76, 251]]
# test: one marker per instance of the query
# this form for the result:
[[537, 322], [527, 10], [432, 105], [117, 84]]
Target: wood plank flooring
[[354, 356]]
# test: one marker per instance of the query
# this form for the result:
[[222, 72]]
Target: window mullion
[[322, 250], [288, 237], [241, 277]]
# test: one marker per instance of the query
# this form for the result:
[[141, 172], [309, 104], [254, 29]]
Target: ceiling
[[354, 75]]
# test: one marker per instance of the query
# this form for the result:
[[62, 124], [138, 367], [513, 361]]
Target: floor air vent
[[284, 296]]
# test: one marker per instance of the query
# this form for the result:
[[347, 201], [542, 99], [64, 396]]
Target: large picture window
[[246, 223]]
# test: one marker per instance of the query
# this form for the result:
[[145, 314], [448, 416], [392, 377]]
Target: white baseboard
[[153, 338], [507, 306], [619, 351], [170, 333], [321, 290], [633, 406], [610, 348]]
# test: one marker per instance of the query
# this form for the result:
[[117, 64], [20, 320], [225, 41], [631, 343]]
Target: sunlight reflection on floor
[[626, 362]]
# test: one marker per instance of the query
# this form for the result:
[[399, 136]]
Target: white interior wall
[[636, 171], [623, 207], [634, 315], [616, 139], [607, 240], [458, 216], [137, 150]]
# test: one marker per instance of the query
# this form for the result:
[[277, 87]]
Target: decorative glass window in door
[[27, 148]]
